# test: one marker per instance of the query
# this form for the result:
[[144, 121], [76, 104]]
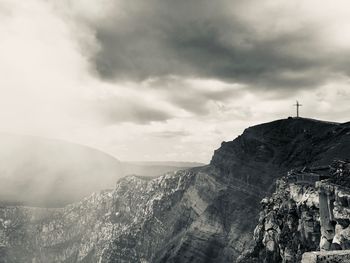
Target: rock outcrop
[[288, 224], [309, 211], [205, 214]]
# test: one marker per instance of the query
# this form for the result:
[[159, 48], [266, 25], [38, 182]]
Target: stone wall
[[327, 257]]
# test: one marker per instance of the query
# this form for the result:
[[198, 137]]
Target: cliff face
[[205, 214], [178, 217]]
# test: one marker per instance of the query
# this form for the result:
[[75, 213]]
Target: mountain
[[47, 172], [169, 164], [202, 214], [154, 169]]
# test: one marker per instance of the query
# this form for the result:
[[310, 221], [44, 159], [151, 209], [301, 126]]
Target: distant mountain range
[[169, 164], [47, 172], [154, 169]]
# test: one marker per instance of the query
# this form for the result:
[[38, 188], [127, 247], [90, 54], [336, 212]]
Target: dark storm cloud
[[195, 38], [191, 96], [116, 110]]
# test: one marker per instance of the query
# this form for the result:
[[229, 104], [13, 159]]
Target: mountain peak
[[266, 150], [294, 122]]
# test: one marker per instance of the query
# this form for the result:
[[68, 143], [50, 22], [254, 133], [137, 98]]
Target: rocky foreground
[[205, 214], [309, 211]]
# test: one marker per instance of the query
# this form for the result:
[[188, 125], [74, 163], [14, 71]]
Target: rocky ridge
[[129, 223]]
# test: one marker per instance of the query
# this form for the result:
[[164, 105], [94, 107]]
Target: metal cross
[[297, 105]]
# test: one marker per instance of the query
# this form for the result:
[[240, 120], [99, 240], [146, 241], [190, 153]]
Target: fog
[[52, 173], [45, 172]]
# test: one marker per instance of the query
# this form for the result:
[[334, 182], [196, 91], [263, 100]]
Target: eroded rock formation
[[308, 212]]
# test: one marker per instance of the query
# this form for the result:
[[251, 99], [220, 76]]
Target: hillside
[[267, 151], [204, 214]]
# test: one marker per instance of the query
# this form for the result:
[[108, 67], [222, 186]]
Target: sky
[[163, 80]]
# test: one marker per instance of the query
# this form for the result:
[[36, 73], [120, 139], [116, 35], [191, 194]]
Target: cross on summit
[[297, 105]]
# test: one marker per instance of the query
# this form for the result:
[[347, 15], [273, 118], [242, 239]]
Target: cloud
[[42, 68], [168, 80], [196, 96], [114, 110], [260, 44]]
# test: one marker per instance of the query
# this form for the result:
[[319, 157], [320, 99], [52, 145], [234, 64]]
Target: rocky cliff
[[205, 214], [178, 217]]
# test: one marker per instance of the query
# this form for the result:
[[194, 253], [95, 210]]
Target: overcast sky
[[169, 80]]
